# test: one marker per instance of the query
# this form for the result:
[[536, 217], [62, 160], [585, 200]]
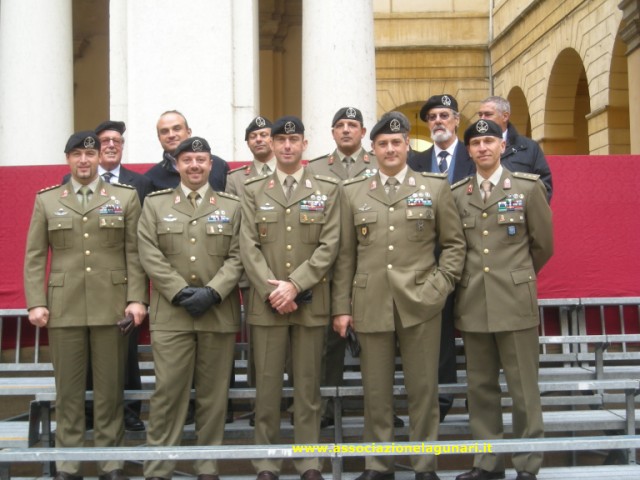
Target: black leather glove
[[182, 295], [202, 300]]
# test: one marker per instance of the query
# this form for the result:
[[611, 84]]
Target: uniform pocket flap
[[219, 229], [510, 217], [468, 222], [523, 275], [111, 221], [419, 213], [60, 224], [169, 227], [312, 217], [421, 276], [118, 277], [364, 218], [56, 279], [360, 280], [266, 217]]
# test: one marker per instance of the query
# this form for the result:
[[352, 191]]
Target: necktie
[[107, 176], [193, 199], [392, 186], [442, 164], [289, 182], [348, 161], [85, 191], [265, 169], [486, 186]]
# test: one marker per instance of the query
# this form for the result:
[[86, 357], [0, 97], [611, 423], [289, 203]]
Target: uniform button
[[85, 219], [264, 219], [59, 225], [88, 269], [192, 258], [288, 228], [193, 277], [288, 265], [485, 233], [389, 267], [486, 250], [288, 211], [391, 209], [86, 235], [87, 252], [195, 222], [486, 269], [464, 224], [390, 247], [485, 214], [324, 279], [392, 228], [193, 240], [289, 247], [125, 278]]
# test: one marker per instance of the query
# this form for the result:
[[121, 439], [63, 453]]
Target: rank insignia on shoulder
[[527, 176], [354, 180], [434, 174], [130, 187], [461, 182], [228, 195], [326, 179], [160, 192], [46, 189]]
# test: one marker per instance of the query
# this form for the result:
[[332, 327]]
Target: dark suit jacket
[[163, 175], [463, 165], [128, 177]]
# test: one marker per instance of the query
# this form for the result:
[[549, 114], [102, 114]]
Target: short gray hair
[[502, 104]]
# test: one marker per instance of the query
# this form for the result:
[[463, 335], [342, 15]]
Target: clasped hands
[[196, 300]]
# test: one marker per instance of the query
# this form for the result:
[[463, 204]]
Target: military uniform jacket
[[387, 251], [509, 239], [293, 240], [180, 248], [95, 269], [331, 166]]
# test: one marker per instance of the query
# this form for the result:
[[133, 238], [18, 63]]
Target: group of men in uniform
[[355, 241]]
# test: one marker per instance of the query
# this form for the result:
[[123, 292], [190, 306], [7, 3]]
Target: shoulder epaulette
[[228, 195], [160, 192], [320, 157], [325, 178], [46, 189], [354, 180], [464, 181], [434, 174], [526, 176], [244, 167], [131, 187], [255, 179]]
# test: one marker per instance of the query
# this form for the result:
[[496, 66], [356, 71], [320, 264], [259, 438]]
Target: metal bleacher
[[589, 381]]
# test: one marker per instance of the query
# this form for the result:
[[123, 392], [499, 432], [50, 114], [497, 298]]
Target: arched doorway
[[520, 117]]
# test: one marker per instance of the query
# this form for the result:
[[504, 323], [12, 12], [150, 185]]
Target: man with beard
[[447, 155]]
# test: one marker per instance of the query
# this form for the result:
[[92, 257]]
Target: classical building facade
[[570, 69]]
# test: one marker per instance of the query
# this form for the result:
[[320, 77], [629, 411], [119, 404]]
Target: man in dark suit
[[172, 129], [447, 155], [111, 136], [521, 153]]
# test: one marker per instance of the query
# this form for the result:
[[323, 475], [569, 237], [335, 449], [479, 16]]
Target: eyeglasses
[[107, 140], [434, 116]]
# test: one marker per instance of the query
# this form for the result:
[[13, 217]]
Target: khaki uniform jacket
[[295, 239], [180, 248], [237, 177], [95, 270], [331, 166], [509, 239], [387, 251]]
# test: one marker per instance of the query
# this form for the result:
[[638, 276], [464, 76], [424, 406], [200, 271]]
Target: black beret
[[347, 112], [257, 123], [482, 128], [86, 139], [438, 101], [114, 125], [389, 124], [192, 144], [287, 125]]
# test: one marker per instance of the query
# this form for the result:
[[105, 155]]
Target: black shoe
[[480, 474], [252, 419], [113, 475], [311, 474], [398, 422], [427, 476], [266, 475], [526, 476], [375, 475], [67, 476], [132, 422]]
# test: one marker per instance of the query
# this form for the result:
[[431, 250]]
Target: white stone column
[[179, 57], [338, 67], [246, 72], [118, 83], [36, 80]]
